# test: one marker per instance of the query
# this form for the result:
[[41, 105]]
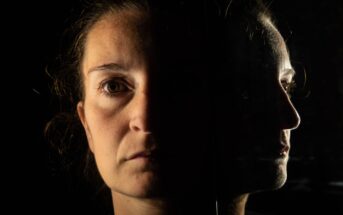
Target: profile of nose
[[289, 117], [140, 113]]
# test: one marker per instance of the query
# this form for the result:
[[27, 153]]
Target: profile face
[[115, 110], [254, 156]]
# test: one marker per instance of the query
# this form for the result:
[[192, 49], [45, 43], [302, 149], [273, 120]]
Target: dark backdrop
[[314, 33]]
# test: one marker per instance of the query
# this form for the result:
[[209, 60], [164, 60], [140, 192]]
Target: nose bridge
[[140, 111], [289, 116]]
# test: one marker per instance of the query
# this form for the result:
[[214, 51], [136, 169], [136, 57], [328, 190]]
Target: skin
[[116, 107], [259, 157]]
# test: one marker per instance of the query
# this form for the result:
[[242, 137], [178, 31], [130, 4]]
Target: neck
[[234, 205], [126, 205]]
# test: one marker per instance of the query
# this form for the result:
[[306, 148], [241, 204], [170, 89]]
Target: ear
[[81, 112]]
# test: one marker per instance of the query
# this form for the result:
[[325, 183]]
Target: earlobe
[[81, 113]]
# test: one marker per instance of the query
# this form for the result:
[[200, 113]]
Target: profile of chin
[[279, 181], [275, 180], [281, 176]]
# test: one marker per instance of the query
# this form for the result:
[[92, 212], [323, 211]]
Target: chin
[[144, 185], [278, 182], [273, 176], [260, 176]]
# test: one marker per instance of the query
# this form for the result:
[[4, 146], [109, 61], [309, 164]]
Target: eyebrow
[[108, 67]]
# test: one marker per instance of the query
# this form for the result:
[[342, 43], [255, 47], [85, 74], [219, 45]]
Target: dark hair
[[64, 132]]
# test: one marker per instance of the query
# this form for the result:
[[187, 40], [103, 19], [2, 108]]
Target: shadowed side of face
[[255, 123]]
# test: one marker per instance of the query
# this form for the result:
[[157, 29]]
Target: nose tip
[[293, 121], [290, 118]]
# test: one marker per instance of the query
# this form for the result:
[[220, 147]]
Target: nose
[[289, 117], [140, 113]]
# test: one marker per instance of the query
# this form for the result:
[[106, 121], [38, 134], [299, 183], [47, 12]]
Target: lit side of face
[[288, 118], [115, 108], [254, 156]]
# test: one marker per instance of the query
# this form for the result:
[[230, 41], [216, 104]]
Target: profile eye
[[288, 87], [115, 86]]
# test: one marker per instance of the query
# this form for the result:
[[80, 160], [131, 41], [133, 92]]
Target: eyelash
[[289, 87], [119, 84]]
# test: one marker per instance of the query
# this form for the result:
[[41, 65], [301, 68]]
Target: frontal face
[[257, 152], [115, 108]]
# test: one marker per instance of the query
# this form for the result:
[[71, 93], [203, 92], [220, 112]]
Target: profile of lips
[[272, 148], [262, 147]]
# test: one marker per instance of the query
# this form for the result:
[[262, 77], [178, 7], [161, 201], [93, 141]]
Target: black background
[[313, 32]]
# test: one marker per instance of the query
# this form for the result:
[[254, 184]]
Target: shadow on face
[[181, 99]]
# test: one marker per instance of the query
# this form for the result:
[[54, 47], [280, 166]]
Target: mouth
[[284, 150], [146, 154], [280, 153], [278, 150]]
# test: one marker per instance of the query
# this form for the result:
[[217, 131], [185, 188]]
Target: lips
[[141, 154], [284, 147], [274, 153], [284, 150]]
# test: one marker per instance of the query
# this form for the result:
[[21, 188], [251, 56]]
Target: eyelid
[[119, 79]]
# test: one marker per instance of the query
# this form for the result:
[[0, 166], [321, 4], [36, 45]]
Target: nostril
[[139, 124], [135, 128]]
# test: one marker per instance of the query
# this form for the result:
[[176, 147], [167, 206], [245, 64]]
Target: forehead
[[257, 48], [131, 21], [267, 47], [271, 35], [114, 36]]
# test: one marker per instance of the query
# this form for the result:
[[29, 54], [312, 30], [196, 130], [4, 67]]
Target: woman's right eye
[[115, 87]]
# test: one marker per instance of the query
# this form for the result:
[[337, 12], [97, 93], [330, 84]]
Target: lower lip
[[146, 163]]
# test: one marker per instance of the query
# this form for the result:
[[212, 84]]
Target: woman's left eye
[[288, 86], [115, 87]]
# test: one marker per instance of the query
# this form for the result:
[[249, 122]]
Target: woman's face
[[115, 109], [258, 151], [275, 88]]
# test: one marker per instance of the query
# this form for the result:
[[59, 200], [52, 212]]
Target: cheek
[[107, 128]]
